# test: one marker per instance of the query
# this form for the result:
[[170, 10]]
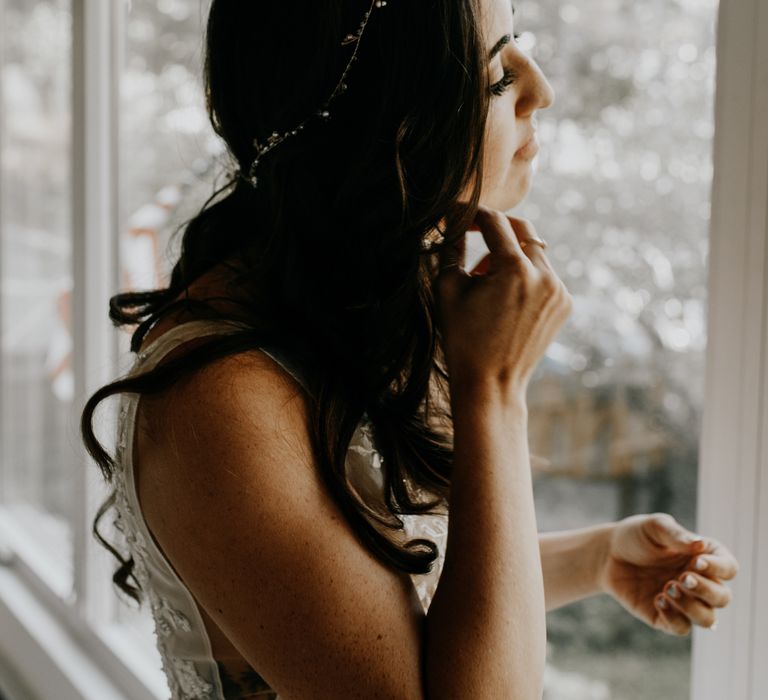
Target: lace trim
[[367, 448], [184, 681], [433, 527]]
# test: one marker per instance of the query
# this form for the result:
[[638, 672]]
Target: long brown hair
[[333, 234]]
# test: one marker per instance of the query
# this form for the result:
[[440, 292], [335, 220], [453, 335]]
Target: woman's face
[[520, 89]]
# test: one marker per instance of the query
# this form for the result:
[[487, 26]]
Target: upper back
[[198, 658], [232, 499]]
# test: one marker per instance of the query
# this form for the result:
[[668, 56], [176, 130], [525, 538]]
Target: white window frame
[[732, 498], [62, 643]]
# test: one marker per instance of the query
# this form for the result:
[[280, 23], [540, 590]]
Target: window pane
[[167, 154], [622, 196], [38, 437], [168, 146]]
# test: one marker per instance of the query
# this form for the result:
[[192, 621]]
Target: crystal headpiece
[[276, 138]]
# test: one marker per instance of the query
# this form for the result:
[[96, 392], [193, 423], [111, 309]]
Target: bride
[[322, 388]]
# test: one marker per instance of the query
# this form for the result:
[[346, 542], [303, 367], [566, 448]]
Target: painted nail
[[672, 591], [689, 581], [701, 564], [662, 603]]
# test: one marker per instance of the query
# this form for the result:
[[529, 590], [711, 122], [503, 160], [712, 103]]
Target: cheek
[[502, 141], [506, 179], [492, 170]]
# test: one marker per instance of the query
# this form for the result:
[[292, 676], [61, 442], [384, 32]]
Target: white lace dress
[[182, 639]]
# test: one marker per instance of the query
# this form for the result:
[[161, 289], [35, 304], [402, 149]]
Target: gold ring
[[537, 241]]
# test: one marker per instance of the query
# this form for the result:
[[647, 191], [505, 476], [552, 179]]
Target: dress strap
[[189, 330]]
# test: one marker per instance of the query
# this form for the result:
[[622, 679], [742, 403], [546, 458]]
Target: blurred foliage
[[624, 174], [622, 196]]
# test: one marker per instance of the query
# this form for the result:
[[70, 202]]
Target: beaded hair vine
[[434, 236], [276, 138]]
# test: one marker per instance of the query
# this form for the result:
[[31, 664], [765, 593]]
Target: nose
[[536, 92]]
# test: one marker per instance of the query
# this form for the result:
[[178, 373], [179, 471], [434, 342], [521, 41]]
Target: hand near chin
[[651, 558]]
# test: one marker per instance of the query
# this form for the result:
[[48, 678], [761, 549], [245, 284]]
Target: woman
[[322, 379]]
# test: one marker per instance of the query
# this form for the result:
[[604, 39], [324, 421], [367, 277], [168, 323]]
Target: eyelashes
[[509, 77]]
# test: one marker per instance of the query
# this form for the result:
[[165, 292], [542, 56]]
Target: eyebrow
[[499, 45]]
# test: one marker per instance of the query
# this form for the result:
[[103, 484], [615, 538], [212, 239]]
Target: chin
[[507, 198], [510, 192]]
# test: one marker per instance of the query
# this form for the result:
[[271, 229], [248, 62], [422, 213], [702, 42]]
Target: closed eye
[[509, 77]]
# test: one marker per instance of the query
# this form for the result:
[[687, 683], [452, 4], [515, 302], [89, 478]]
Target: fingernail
[[714, 626], [689, 581], [692, 538], [672, 591], [662, 603], [701, 564]]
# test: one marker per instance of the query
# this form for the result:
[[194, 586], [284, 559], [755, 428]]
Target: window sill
[[52, 651]]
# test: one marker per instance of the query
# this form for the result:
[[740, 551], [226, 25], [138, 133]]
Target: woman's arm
[[486, 627], [571, 561]]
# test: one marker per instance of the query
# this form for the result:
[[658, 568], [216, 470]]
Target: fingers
[[693, 609], [708, 555], [695, 596], [691, 599], [670, 619], [499, 233], [664, 530], [503, 235], [716, 565], [451, 257], [713, 593], [524, 230]]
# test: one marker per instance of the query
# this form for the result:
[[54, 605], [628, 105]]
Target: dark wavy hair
[[332, 235]]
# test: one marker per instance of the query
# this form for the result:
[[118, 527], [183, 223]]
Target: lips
[[529, 148]]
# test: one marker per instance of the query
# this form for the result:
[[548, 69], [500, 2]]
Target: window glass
[[38, 438], [622, 196], [168, 154], [168, 148]]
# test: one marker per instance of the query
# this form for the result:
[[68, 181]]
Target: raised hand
[[498, 321]]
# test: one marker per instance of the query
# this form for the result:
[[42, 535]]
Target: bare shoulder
[[228, 394], [231, 490]]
